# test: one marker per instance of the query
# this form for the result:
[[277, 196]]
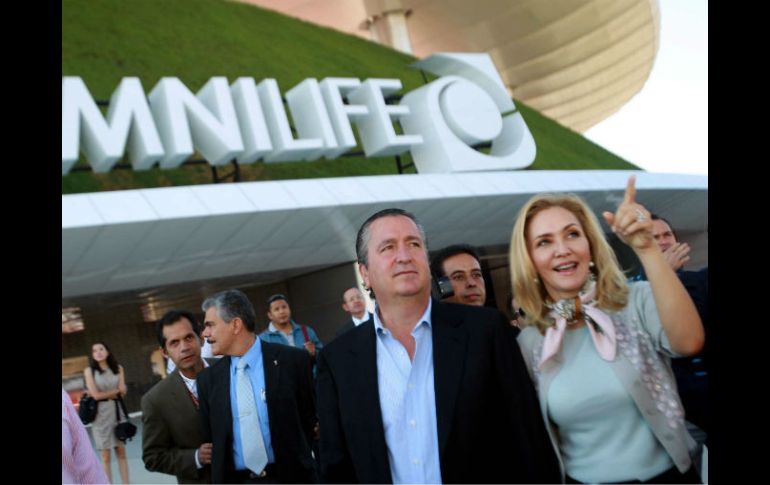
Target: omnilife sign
[[441, 122]]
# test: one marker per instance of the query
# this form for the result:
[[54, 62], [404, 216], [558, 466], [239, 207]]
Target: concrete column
[[387, 24], [394, 23]]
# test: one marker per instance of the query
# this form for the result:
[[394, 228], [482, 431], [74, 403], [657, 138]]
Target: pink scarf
[[604, 340]]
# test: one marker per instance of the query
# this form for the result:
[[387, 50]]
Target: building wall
[[122, 327], [316, 299], [118, 319]]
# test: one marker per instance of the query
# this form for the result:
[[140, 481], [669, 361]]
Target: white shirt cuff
[[197, 463]]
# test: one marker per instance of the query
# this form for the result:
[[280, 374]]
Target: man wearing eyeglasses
[[460, 263]]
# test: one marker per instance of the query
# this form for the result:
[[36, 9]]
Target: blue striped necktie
[[254, 453]]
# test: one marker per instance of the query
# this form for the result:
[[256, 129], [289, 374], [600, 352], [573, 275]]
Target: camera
[[442, 288]]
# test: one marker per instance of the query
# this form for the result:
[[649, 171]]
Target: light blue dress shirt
[[256, 374], [408, 403]]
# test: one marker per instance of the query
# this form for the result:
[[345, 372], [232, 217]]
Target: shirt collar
[[189, 381], [425, 318], [252, 356], [359, 321], [273, 328]]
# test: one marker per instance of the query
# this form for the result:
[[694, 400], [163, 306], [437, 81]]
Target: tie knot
[[242, 364]]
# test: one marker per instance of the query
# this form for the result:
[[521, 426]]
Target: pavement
[[136, 471]]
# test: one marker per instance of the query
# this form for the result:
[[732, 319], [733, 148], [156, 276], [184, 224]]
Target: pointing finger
[[630, 195]]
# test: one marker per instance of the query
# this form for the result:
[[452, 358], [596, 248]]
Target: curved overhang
[[576, 61], [271, 231]]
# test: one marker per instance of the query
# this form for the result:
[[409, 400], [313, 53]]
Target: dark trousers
[[246, 476], [672, 475]]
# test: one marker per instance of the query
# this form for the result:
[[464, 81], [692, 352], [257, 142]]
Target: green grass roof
[[194, 40]]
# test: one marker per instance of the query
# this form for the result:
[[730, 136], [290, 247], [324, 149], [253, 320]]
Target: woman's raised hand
[[631, 222]]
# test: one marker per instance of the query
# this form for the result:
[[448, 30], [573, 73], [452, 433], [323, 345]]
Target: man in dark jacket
[[426, 392], [257, 404]]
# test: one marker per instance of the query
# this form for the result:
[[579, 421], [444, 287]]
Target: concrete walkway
[[136, 471]]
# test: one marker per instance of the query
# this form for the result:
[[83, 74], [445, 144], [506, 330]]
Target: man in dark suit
[[353, 302], [257, 403], [425, 392], [172, 441]]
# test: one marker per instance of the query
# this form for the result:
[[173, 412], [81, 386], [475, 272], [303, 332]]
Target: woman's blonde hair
[[611, 286]]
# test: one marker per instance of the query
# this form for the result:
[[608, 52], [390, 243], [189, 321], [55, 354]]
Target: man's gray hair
[[365, 233], [230, 304]]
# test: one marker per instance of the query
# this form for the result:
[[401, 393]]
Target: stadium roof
[[576, 61]]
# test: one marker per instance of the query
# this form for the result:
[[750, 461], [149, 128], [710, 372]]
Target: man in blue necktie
[[257, 404]]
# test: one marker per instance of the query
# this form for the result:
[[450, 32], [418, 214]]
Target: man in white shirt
[[172, 441], [425, 392], [353, 303]]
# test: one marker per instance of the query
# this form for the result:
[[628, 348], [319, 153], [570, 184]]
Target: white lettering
[[207, 121], [377, 134], [333, 90], [442, 121], [251, 118], [310, 117], [286, 148], [104, 142]]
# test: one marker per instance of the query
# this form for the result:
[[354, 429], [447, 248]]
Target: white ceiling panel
[[267, 196], [312, 193], [153, 237], [174, 202], [216, 267], [77, 210], [173, 272], [74, 242], [385, 188], [250, 234], [111, 246], [209, 236], [347, 189], [294, 226], [162, 241], [223, 199], [123, 206]]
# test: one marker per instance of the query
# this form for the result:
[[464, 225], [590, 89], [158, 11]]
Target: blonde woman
[[106, 381], [598, 347]]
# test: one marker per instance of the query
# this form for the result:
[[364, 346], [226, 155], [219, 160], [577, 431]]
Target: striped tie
[[254, 453]]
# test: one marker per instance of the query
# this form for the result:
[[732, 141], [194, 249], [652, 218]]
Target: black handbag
[[87, 408], [126, 430]]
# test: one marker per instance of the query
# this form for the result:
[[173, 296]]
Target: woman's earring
[[591, 264]]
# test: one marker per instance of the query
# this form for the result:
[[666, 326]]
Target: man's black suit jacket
[[290, 407], [490, 429], [349, 325]]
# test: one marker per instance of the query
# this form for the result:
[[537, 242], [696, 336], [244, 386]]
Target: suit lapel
[[271, 363], [364, 367], [180, 394], [363, 373], [221, 384], [449, 342]]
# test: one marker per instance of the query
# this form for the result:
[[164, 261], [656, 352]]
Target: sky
[[664, 128]]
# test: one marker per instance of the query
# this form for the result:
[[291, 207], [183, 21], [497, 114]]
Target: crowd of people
[[576, 386]]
